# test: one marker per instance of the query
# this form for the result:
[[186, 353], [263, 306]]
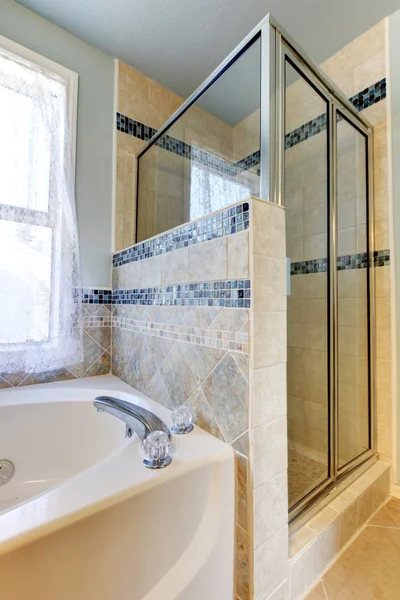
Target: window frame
[[29, 216]]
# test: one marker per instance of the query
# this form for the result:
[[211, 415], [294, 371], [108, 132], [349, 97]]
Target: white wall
[[94, 135], [394, 90]]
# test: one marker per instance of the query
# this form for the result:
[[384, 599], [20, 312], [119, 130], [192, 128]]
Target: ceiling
[[178, 43]]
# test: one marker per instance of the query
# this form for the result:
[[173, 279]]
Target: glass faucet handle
[[156, 447], [182, 420]]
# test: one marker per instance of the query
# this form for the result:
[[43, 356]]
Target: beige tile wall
[[357, 66], [145, 101], [354, 68], [268, 426], [164, 187]]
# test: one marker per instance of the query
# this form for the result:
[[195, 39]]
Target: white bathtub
[[83, 519]]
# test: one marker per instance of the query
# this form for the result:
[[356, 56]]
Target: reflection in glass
[[306, 204], [352, 249], [210, 157]]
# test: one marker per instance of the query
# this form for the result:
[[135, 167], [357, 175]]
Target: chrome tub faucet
[[154, 434]]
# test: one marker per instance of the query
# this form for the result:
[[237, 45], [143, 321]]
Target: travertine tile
[[178, 377], [269, 343], [207, 261], [241, 491], [269, 284], [175, 266], [270, 451], [271, 564], [202, 414], [270, 508], [269, 394], [238, 256], [304, 571], [242, 564], [268, 240], [226, 390]]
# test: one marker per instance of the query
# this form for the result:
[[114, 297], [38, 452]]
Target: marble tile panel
[[226, 390], [202, 414], [179, 379]]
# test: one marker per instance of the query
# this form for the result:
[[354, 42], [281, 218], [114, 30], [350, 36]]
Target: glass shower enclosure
[[269, 123]]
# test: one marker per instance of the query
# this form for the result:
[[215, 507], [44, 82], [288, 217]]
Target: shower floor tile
[[370, 568], [304, 474]]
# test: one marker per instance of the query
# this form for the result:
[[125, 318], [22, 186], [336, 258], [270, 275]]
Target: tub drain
[[6, 471]]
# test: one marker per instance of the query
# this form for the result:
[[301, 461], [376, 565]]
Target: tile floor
[[370, 568]]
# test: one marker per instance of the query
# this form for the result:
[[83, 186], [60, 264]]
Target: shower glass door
[[353, 402], [326, 195], [306, 185]]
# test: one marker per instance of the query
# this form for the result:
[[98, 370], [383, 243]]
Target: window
[[38, 236], [209, 190]]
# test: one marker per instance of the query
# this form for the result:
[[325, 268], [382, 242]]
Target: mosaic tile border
[[96, 296], [371, 95], [96, 321], [180, 148], [213, 338], [381, 258], [365, 98], [227, 222], [228, 294]]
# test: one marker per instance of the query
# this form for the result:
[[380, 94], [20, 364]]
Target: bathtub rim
[[87, 492]]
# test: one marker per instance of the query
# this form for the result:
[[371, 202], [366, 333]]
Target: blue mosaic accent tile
[[228, 294], [135, 128], [227, 222], [381, 258], [306, 131], [305, 267], [171, 144], [249, 162], [369, 96], [92, 296], [360, 101]]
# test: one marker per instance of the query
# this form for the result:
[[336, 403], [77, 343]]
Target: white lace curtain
[[40, 309], [211, 190]]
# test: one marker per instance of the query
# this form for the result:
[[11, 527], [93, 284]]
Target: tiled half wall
[[212, 334]]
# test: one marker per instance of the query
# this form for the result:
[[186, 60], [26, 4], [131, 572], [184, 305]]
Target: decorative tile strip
[[305, 267], [381, 258], [370, 95], [306, 131], [227, 222], [229, 294], [94, 296], [171, 144], [99, 321], [360, 101], [214, 338]]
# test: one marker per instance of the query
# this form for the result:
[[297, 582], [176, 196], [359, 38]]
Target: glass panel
[[352, 251], [210, 157], [25, 272], [307, 218]]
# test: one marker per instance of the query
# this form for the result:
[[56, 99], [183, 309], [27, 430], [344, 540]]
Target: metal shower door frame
[[278, 47]]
